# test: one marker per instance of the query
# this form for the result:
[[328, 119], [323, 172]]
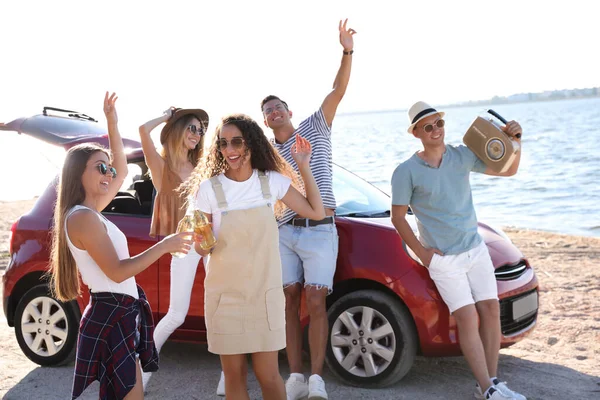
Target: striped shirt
[[318, 133]]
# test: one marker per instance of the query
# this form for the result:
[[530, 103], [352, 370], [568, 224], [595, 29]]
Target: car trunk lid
[[61, 127]]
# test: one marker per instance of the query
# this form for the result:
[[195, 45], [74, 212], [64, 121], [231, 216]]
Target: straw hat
[[421, 110], [200, 114]]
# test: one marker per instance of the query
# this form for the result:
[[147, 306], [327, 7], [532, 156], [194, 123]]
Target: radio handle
[[501, 118]]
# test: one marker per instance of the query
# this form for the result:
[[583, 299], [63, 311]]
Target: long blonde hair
[[173, 150], [264, 157], [64, 276]]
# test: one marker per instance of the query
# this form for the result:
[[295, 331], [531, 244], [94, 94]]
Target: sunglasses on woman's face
[[429, 127], [103, 168], [236, 143], [196, 130]]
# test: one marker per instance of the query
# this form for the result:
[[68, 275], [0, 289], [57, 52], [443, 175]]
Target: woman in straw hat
[[182, 140]]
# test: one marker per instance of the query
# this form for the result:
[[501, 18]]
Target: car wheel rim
[[44, 326], [363, 341]]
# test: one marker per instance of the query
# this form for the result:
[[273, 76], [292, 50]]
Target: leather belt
[[305, 222]]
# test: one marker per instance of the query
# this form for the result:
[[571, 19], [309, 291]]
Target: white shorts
[[464, 278]]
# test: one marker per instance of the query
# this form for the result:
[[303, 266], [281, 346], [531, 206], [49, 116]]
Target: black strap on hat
[[419, 115]]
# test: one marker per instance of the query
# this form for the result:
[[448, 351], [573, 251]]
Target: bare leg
[[490, 333], [318, 328], [235, 368], [137, 393], [293, 330], [266, 368], [471, 345]]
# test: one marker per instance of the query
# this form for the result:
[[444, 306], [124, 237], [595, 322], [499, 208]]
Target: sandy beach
[[559, 360]]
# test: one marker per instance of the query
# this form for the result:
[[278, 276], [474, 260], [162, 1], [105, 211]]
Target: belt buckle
[[296, 222]]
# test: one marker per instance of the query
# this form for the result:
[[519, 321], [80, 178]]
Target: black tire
[[66, 324], [399, 346]]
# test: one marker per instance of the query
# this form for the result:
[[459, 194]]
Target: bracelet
[[348, 53]]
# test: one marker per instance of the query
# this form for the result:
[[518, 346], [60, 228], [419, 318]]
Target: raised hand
[[109, 108], [346, 39], [301, 151], [169, 112], [512, 129]]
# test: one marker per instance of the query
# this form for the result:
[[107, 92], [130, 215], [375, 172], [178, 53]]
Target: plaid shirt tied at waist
[[106, 348]]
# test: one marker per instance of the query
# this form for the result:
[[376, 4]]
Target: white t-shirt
[[240, 195]]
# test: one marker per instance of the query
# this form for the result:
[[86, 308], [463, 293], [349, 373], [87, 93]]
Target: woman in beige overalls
[[244, 179]]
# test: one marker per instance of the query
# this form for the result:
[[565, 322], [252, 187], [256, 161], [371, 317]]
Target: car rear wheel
[[372, 341], [46, 328]]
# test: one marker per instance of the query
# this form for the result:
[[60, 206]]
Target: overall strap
[[264, 185], [219, 192]]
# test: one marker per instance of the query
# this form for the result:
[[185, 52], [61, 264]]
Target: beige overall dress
[[244, 300]]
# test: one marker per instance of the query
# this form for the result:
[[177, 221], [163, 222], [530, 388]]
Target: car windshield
[[356, 197]]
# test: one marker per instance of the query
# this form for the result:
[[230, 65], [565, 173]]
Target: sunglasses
[[278, 107], [429, 127], [196, 130], [104, 169], [237, 143]]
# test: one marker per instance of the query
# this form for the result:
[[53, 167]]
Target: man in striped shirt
[[309, 248]]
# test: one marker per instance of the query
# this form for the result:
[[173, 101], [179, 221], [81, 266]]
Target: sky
[[225, 56]]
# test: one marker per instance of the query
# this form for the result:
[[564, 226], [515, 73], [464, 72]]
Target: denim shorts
[[308, 254]]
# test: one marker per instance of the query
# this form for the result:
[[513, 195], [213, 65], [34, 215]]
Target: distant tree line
[[541, 96]]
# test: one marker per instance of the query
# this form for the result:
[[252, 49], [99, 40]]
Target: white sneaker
[[145, 379], [501, 386], [316, 388], [495, 394], [296, 387], [221, 385]]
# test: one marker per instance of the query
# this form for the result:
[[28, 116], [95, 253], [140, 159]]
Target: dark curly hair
[[264, 157]]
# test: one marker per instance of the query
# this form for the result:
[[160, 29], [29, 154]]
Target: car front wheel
[[46, 328], [372, 341]]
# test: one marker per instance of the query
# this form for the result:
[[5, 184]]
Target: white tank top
[[91, 274]]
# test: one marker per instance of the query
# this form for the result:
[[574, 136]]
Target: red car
[[384, 308]]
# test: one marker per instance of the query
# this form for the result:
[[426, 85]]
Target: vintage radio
[[487, 140]]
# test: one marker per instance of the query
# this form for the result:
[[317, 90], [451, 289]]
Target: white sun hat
[[421, 110]]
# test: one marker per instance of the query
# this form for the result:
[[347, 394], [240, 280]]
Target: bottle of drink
[[185, 225], [202, 227]]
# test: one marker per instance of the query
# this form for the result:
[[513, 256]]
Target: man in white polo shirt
[[309, 248], [434, 182]]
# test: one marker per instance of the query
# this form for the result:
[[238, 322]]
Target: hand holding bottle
[[179, 244]]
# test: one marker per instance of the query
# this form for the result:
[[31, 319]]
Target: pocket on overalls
[[228, 318], [275, 301]]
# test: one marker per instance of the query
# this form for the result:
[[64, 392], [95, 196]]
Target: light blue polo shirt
[[441, 199]]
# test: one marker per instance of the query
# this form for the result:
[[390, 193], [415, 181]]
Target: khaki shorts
[[464, 278]]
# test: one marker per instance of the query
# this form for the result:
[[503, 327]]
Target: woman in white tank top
[[86, 243]]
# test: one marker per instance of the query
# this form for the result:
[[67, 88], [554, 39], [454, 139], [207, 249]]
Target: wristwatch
[[347, 53]]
